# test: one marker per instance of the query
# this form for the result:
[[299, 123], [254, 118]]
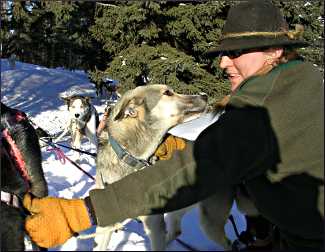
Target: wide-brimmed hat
[[257, 24]]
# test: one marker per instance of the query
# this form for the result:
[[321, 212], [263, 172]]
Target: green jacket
[[293, 95], [270, 139], [291, 194]]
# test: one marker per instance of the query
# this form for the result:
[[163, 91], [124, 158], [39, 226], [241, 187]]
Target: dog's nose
[[76, 115]]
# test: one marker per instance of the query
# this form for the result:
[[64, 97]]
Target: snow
[[37, 90]]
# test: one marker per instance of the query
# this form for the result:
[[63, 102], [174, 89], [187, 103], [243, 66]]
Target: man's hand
[[55, 220], [168, 146]]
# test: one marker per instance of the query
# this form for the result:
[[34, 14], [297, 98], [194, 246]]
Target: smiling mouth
[[232, 75]]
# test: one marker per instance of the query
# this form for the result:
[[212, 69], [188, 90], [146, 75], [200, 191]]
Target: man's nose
[[225, 62]]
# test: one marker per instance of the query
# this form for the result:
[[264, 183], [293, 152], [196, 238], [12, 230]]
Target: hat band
[[292, 34]]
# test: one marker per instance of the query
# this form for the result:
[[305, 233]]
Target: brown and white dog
[[136, 126], [83, 121]]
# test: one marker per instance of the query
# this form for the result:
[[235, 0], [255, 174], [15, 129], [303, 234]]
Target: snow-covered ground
[[36, 90]]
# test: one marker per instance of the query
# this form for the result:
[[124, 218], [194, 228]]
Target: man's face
[[243, 66]]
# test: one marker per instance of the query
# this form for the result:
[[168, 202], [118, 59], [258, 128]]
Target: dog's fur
[[138, 122], [83, 121], [24, 135]]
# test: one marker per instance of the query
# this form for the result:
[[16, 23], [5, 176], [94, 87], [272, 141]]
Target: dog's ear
[[66, 100], [118, 110], [88, 98], [131, 112], [126, 107], [123, 110]]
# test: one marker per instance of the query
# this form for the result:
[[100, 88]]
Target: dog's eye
[[168, 93]]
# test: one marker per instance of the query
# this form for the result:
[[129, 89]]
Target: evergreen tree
[[161, 43], [53, 34], [6, 13], [163, 64], [310, 14], [140, 42], [20, 37]]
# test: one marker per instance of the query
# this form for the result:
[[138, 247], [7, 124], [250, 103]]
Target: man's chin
[[234, 84]]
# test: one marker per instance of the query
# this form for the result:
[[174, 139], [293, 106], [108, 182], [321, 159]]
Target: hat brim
[[253, 42]]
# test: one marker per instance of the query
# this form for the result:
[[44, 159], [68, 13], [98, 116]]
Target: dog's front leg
[[91, 131], [102, 238], [173, 223], [103, 234], [214, 212], [76, 143], [154, 226]]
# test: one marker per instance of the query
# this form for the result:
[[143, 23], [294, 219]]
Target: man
[[269, 141]]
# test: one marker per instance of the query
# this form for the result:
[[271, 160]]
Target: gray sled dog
[[135, 128], [137, 124]]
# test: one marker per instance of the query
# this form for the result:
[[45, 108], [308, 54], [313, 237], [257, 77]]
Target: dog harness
[[126, 157], [10, 199], [15, 155]]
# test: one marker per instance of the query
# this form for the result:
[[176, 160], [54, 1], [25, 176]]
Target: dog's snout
[[76, 115]]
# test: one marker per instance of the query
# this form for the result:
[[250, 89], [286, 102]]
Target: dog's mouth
[[193, 113]]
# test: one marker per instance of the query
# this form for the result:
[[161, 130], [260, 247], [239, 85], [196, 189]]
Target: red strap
[[58, 153], [16, 155]]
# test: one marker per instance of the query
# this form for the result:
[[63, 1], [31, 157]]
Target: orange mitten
[[168, 146], [55, 220]]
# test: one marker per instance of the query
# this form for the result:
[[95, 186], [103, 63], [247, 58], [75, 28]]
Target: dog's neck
[[141, 141], [87, 115], [80, 123]]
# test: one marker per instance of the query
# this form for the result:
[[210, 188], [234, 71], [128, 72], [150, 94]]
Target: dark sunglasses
[[237, 53]]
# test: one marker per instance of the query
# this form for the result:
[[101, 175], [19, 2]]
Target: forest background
[[139, 42]]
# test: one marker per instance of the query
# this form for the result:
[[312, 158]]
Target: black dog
[[21, 172]]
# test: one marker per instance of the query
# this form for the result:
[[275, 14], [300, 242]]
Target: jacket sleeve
[[239, 146]]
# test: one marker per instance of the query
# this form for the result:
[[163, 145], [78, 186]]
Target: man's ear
[[278, 52], [274, 53]]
